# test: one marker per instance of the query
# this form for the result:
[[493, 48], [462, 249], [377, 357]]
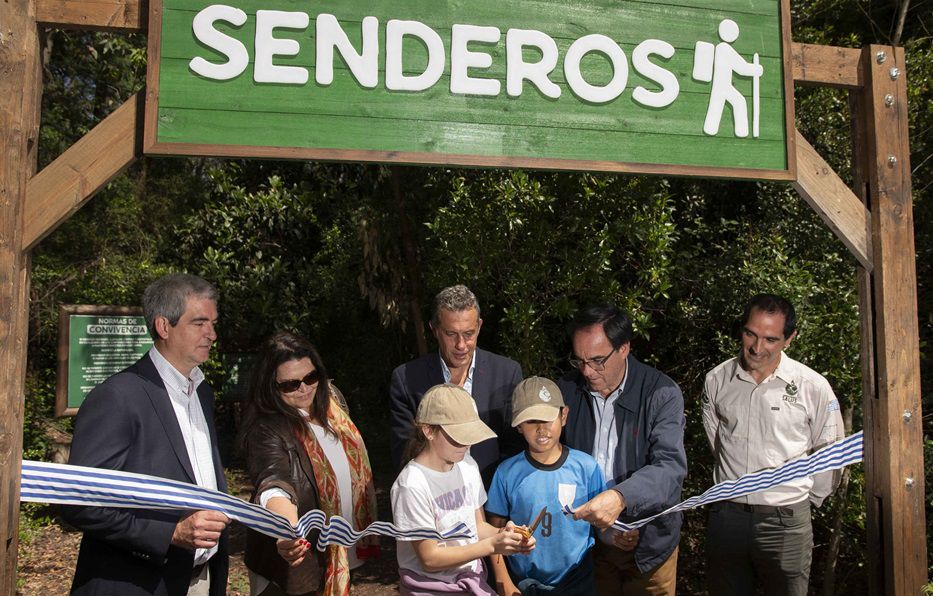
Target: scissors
[[534, 525]]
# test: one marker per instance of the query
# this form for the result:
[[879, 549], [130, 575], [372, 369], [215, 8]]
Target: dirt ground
[[47, 557], [46, 565]]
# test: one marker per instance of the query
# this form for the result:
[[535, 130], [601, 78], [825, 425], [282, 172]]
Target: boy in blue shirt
[[545, 476]]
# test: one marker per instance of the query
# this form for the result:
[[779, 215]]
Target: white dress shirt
[[183, 394], [467, 383]]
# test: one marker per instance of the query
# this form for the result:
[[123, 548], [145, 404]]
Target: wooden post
[[20, 93], [894, 471]]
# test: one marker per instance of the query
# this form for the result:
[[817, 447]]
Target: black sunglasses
[[293, 384]]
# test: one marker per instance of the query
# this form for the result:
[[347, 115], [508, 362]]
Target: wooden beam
[[826, 65], [67, 183], [894, 471], [128, 16], [835, 203], [20, 93], [866, 301]]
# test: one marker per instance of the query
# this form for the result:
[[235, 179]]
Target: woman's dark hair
[[265, 398], [616, 323], [417, 442]]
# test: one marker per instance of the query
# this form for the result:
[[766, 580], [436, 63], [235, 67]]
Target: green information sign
[[689, 87], [95, 342]]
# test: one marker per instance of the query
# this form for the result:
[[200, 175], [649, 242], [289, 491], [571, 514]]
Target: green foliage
[[538, 246], [286, 256], [87, 76]]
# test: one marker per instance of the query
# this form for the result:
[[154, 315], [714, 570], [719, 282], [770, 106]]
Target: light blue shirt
[[468, 383], [606, 439], [523, 486]]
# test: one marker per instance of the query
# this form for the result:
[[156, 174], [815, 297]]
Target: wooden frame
[[152, 146], [65, 312], [63, 186], [874, 219]]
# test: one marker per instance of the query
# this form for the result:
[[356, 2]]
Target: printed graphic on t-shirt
[[454, 499]]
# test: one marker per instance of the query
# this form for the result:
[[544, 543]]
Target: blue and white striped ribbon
[[44, 482], [60, 484], [838, 455]]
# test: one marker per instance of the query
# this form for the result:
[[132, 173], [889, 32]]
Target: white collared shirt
[[606, 439], [753, 426], [183, 394], [468, 383]]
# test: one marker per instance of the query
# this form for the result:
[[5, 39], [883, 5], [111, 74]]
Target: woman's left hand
[[293, 551]]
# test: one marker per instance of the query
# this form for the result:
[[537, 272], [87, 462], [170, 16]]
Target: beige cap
[[536, 398], [452, 408]]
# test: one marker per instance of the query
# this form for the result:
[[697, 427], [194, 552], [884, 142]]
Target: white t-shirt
[[425, 498], [337, 457]]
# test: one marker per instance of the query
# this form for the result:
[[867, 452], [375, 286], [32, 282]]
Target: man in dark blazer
[[630, 417], [488, 377], [156, 418]]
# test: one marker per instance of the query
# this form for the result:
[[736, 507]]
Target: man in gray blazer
[[488, 377], [156, 418]]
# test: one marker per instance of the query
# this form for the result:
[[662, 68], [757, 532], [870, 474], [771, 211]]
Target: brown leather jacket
[[275, 459]]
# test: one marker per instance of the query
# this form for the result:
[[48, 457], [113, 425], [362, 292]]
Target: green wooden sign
[[683, 87], [95, 342]]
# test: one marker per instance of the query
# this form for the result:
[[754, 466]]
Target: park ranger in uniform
[[761, 409]]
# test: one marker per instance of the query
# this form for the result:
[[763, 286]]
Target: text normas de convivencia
[[364, 63]]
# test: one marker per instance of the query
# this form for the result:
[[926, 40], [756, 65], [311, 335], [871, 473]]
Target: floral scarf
[[337, 572]]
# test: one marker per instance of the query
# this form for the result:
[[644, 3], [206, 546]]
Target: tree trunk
[[412, 277]]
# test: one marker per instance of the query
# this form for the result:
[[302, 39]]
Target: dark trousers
[[756, 544], [577, 582], [274, 590]]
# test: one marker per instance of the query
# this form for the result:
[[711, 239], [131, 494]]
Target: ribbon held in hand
[[60, 484], [832, 457]]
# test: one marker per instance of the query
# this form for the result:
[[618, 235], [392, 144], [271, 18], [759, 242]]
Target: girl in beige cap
[[438, 488]]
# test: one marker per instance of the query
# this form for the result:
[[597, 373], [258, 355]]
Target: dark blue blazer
[[494, 379], [127, 423]]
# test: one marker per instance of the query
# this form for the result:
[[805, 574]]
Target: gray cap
[[536, 398]]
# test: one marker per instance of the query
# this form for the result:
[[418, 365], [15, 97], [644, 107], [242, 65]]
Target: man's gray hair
[[454, 298], [168, 296]]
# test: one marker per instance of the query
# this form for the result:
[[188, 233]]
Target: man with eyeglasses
[[630, 418], [489, 378]]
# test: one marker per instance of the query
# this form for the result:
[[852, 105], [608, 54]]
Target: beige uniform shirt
[[751, 427]]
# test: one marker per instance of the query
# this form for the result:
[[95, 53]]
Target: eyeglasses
[[291, 385], [598, 364]]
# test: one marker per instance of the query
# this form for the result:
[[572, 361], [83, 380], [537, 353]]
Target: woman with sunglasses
[[303, 452]]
